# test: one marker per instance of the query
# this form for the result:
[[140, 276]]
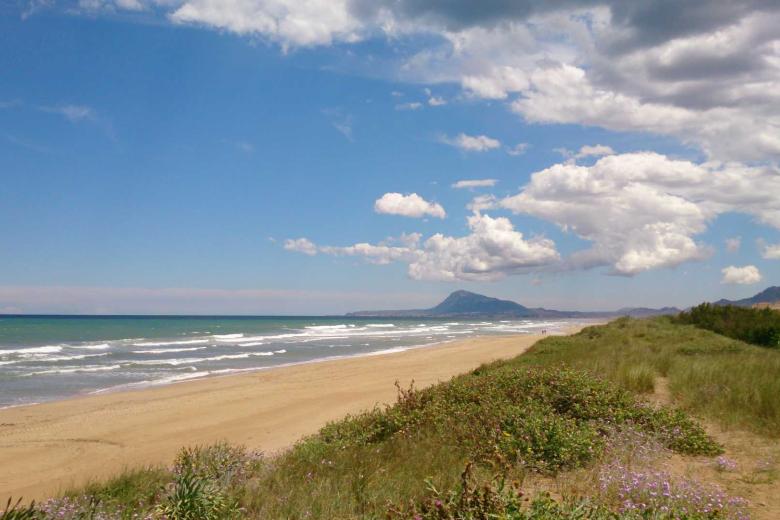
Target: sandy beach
[[47, 447]]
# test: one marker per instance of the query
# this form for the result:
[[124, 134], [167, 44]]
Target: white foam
[[101, 346], [327, 327], [69, 358], [388, 351], [49, 349], [167, 350], [178, 342], [282, 351], [227, 336], [188, 361], [71, 370], [252, 344], [380, 325]]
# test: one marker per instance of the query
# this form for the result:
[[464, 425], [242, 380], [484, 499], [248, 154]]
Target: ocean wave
[[252, 344], [167, 350], [100, 346], [68, 358], [328, 327], [177, 342], [48, 349], [72, 370], [194, 361], [227, 336]]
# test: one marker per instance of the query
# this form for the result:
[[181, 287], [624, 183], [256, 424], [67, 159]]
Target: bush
[[757, 326], [220, 463], [193, 498]]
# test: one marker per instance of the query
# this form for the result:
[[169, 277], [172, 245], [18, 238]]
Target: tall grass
[[731, 382]]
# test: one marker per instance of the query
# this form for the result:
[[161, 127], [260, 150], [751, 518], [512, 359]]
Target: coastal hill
[[464, 304], [768, 297]]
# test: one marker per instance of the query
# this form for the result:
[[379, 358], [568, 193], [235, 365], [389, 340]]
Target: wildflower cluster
[[658, 492]]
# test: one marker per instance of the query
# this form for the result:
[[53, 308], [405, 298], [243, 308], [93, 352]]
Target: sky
[[324, 156]]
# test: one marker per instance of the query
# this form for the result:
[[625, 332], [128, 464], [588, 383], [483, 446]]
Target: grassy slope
[[728, 381], [512, 418]]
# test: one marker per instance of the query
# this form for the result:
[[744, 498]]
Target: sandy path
[[46, 447]]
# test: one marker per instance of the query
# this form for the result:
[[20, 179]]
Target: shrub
[[221, 463], [193, 498], [757, 326]]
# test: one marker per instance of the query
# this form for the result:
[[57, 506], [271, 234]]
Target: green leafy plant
[[193, 498]]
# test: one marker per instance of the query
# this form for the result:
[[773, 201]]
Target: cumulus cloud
[[475, 183], [492, 250], [291, 23], [643, 211], [770, 251], [301, 245], [598, 150], [411, 205], [472, 143], [746, 275], [733, 244]]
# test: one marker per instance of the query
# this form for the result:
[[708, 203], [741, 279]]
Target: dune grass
[[726, 380]]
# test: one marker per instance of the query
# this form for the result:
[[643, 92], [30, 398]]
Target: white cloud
[[411, 205], [475, 183], [298, 23], [73, 113], [434, 101], [746, 275], [472, 143], [413, 105], [518, 149], [770, 251], [733, 244], [598, 150], [301, 245], [492, 250], [642, 211]]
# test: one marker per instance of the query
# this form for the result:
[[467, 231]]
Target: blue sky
[[151, 163]]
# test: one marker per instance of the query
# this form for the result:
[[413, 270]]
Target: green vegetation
[[726, 380], [756, 326]]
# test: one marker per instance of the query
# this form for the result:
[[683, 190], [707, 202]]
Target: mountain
[[464, 304], [459, 304], [769, 295]]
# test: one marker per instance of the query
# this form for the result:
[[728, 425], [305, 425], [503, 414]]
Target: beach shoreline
[[51, 446]]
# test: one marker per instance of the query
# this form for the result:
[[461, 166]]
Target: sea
[[44, 358]]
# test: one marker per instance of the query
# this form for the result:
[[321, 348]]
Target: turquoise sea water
[[51, 357]]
